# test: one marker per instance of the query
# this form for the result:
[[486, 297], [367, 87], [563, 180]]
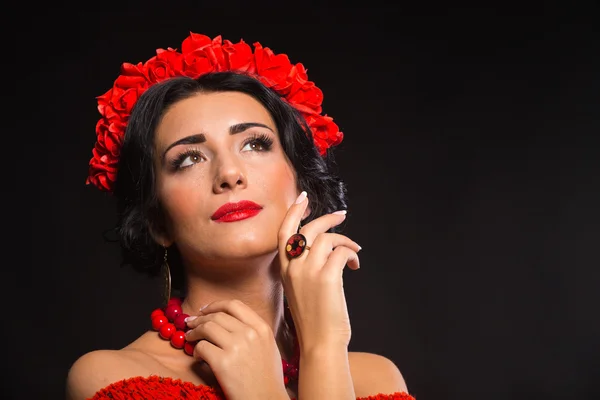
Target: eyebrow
[[201, 137]]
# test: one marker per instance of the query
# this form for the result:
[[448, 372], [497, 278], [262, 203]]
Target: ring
[[296, 245]]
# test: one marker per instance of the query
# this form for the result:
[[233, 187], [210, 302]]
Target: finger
[[324, 243], [339, 258], [290, 224], [322, 224], [211, 331], [239, 310], [207, 351], [228, 322]]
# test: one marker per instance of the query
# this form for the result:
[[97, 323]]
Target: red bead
[[158, 322], [188, 347], [156, 312], [174, 301], [286, 380], [173, 311], [166, 331], [180, 323], [178, 339]]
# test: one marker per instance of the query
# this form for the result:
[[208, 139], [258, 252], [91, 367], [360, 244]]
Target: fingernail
[[190, 318], [359, 247], [301, 198], [341, 212]]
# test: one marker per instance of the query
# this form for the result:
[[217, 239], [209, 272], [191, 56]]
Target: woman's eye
[[187, 159], [254, 145], [260, 143], [190, 160]]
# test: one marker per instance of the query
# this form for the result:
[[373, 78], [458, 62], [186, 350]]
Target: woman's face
[[213, 150]]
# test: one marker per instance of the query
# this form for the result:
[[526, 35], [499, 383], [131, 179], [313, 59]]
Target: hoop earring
[[167, 279]]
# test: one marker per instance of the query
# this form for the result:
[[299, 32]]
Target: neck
[[256, 283]]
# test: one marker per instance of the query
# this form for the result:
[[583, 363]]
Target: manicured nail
[[301, 198], [190, 318], [341, 212]]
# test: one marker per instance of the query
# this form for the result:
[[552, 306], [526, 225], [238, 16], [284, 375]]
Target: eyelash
[[261, 139], [177, 161]]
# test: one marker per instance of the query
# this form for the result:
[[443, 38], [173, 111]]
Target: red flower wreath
[[200, 55]]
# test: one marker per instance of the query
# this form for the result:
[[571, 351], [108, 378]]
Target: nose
[[229, 175]]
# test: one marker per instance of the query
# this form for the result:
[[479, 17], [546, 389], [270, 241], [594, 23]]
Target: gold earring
[[167, 279]]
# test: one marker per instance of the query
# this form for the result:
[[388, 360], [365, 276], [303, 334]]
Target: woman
[[219, 158]]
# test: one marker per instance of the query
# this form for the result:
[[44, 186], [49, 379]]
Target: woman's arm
[[325, 373], [332, 372]]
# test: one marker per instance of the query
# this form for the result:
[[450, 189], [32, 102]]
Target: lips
[[230, 212]]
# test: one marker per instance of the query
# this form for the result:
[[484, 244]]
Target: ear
[[161, 237], [160, 233], [307, 211]]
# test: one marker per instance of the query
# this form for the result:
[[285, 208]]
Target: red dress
[[156, 387]]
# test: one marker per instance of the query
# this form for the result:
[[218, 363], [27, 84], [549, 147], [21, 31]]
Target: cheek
[[279, 182], [181, 205]]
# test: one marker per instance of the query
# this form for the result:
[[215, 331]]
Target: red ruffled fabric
[[156, 387]]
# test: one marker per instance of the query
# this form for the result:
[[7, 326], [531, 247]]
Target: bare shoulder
[[98, 369], [373, 374]]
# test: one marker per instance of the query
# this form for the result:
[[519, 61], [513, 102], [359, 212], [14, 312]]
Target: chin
[[248, 250]]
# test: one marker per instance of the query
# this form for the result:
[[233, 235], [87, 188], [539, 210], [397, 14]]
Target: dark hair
[[138, 207]]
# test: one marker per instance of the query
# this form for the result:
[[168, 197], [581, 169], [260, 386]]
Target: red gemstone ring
[[296, 245]]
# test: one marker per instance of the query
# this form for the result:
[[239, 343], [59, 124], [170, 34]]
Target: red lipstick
[[231, 212]]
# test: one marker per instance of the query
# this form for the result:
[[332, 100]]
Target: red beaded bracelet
[[170, 324]]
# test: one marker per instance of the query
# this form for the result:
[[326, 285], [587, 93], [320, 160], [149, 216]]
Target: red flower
[[273, 70], [200, 55], [166, 64], [132, 76], [196, 59], [325, 132], [239, 57]]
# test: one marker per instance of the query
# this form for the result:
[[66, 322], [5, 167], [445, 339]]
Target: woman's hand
[[240, 348], [313, 281]]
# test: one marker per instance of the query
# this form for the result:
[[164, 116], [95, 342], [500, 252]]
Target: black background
[[471, 159]]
